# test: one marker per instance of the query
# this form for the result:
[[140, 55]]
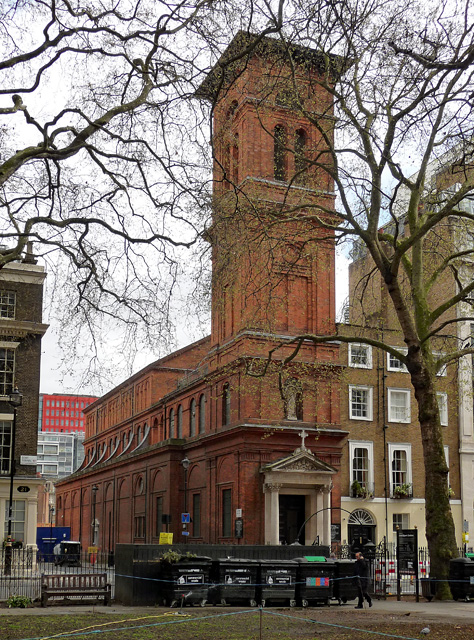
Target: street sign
[[185, 518], [29, 460], [185, 533]]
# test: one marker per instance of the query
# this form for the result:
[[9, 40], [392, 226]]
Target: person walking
[[361, 574]]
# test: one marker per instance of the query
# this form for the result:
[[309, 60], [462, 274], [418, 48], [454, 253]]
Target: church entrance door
[[292, 516]]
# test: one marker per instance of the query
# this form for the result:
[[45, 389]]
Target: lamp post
[[185, 462], [15, 400], [51, 514], [95, 489]]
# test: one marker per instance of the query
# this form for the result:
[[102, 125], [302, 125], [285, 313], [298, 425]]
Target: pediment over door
[[301, 468]]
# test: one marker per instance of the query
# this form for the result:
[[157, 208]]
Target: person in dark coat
[[361, 573]]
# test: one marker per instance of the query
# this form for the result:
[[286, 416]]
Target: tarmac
[[441, 611]]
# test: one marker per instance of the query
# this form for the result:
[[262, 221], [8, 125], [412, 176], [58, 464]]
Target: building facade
[[250, 457], [63, 413], [21, 327]]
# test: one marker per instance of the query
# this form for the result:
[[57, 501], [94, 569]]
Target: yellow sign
[[465, 537], [166, 538], [92, 549]]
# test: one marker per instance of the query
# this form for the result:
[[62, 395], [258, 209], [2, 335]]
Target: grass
[[220, 624]]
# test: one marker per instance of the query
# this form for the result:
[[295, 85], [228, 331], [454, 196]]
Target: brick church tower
[[273, 260]]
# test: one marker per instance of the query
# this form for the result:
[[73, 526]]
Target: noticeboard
[[166, 538], [407, 551]]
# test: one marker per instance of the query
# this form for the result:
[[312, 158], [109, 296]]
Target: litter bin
[[185, 582], [461, 578], [234, 581], [314, 580], [428, 588], [277, 582], [344, 586]]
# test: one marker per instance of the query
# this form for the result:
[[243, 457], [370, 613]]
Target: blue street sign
[[185, 518], [185, 533]]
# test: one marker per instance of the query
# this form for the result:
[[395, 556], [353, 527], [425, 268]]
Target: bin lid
[[470, 555], [315, 558], [236, 561]]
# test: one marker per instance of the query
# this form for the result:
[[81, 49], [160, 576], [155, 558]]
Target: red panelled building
[[64, 413], [249, 456]]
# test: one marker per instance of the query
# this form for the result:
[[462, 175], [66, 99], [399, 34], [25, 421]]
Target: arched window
[[202, 413], [279, 153], [192, 418], [171, 423], [234, 161], [300, 156], [226, 404], [228, 163], [180, 421]]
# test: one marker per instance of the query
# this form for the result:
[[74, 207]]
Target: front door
[[359, 535], [292, 517]]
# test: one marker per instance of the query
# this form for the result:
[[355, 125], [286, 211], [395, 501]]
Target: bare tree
[[104, 155], [401, 162]]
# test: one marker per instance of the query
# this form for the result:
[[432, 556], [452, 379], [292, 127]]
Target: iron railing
[[28, 566]]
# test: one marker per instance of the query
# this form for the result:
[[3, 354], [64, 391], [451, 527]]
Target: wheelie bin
[[185, 582], [234, 582], [461, 578], [277, 580], [345, 585], [314, 580]]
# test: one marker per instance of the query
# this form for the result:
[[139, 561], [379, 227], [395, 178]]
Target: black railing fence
[[28, 565], [135, 566]]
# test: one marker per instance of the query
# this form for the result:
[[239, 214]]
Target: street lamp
[[51, 514], [15, 400], [95, 489], [185, 462]]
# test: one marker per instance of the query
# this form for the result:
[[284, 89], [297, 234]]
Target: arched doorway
[[361, 529]]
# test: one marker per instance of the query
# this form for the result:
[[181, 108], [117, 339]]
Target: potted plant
[[360, 491], [402, 491]]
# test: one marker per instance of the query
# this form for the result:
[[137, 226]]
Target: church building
[[249, 447]]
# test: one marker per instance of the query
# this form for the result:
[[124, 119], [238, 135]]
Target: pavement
[[441, 611]]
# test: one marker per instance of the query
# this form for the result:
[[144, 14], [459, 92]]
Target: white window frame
[[362, 444], [359, 365], [442, 373], [391, 417], [446, 457], [399, 446], [442, 398], [353, 387], [403, 516], [392, 366]]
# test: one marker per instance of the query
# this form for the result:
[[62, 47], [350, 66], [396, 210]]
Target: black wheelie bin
[[461, 578], [277, 582], [234, 582], [345, 585], [185, 582], [314, 581]]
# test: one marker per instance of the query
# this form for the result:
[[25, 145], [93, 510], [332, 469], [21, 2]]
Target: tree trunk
[[440, 531]]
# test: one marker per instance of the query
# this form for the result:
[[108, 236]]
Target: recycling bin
[[344, 585], [234, 582], [461, 578], [314, 580], [185, 582], [277, 582]]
